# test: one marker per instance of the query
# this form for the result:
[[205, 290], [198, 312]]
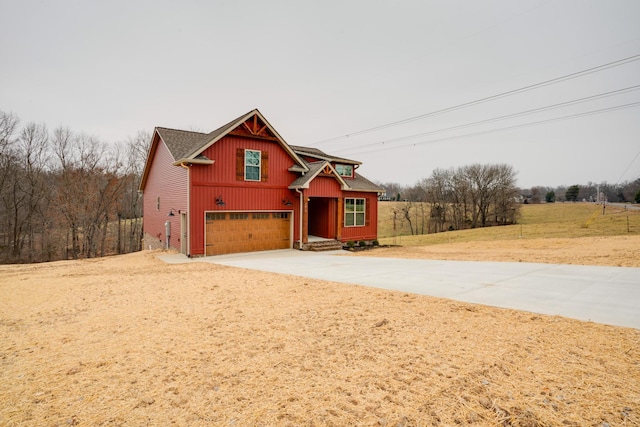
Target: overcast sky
[[322, 70]]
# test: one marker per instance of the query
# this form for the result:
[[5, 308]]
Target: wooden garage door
[[232, 232]]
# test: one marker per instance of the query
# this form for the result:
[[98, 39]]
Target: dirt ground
[[132, 341]]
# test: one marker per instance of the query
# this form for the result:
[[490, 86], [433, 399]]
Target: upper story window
[[344, 170], [252, 165]]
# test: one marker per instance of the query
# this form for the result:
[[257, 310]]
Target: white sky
[[325, 69]]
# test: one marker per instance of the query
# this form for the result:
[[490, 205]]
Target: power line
[[495, 119], [628, 167], [492, 97], [556, 119]]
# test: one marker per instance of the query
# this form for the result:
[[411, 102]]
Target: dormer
[[345, 168]]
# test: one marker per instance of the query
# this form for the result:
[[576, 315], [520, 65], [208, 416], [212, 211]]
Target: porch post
[[305, 220], [339, 219]]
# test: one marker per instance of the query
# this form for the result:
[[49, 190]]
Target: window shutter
[[239, 164], [264, 166], [367, 216]]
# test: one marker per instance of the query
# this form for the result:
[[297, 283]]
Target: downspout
[[188, 233], [301, 215]]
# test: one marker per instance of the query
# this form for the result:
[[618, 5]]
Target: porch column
[[340, 218], [305, 220]]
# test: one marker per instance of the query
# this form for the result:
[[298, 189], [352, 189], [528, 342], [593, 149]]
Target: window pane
[[360, 218], [344, 170], [253, 173], [252, 157], [348, 205], [348, 220], [360, 205]]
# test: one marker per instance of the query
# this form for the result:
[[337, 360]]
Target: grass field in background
[[560, 220]]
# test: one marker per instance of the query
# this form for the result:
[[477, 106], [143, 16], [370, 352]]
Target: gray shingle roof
[[360, 183], [321, 155], [303, 180], [180, 142], [184, 144]]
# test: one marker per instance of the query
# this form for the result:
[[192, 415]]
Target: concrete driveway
[[609, 295]]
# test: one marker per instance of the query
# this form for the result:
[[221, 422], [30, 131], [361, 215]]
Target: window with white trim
[[251, 165], [344, 170], [354, 212]]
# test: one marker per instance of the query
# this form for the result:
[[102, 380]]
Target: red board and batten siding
[[370, 230], [209, 182], [170, 184], [324, 186]]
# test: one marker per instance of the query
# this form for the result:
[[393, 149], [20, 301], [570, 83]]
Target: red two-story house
[[242, 188]]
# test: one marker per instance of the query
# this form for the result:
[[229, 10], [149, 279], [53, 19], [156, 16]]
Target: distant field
[[557, 220]]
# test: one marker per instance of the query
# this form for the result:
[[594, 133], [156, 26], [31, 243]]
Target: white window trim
[[259, 165], [355, 213]]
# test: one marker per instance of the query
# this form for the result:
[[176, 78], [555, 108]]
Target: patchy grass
[[552, 220]]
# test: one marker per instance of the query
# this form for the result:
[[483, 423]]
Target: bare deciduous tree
[[471, 195], [64, 194]]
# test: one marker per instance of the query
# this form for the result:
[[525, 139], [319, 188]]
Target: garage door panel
[[233, 232]]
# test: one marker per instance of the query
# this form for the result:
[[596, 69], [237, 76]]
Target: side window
[[354, 212], [251, 165]]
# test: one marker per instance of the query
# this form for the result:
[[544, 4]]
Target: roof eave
[[299, 187], [298, 168], [196, 161], [361, 190], [328, 158], [147, 164]]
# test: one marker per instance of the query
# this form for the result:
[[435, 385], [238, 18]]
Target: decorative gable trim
[[316, 169], [252, 124], [254, 128]]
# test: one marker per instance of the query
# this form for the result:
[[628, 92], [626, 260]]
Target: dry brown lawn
[[132, 341]]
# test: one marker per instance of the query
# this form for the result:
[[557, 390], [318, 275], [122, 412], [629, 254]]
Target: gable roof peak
[[199, 142]]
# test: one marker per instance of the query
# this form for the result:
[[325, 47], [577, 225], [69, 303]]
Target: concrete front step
[[323, 245]]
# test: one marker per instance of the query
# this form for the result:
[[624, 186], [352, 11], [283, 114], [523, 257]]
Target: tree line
[[484, 195], [625, 192], [67, 195], [466, 197]]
